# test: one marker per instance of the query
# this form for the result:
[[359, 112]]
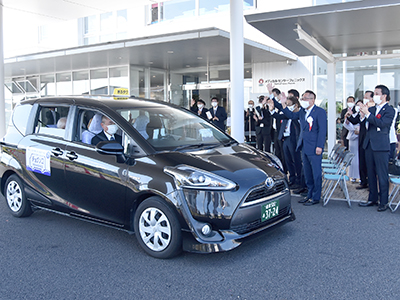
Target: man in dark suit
[[52, 116], [350, 104], [201, 110], [362, 162], [108, 133], [263, 125], [275, 94], [313, 127], [378, 118], [218, 114], [289, 134]]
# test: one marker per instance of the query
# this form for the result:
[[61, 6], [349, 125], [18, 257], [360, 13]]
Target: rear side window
[[20, 117], [52, 121]]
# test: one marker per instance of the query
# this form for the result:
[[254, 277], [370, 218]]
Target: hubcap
[[14, 196], [155, 229]]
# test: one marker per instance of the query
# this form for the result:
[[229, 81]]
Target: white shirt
[[109, 136], [392, 132]]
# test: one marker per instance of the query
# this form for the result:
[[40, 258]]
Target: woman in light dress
[[352, 136]]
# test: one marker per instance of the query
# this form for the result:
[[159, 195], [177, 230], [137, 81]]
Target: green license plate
[[269, 210]]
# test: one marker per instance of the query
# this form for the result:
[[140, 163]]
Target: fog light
[[206, 229]]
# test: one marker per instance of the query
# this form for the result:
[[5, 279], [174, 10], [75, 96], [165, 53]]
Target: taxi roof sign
[[119, 93]]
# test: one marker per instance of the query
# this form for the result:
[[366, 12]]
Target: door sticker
[[38, 161]]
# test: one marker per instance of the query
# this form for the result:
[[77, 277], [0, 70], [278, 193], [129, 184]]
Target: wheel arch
[[4, 178]]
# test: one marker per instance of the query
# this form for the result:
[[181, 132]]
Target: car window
[[167, 128], [88, 126], [20, 117], [51, 120]]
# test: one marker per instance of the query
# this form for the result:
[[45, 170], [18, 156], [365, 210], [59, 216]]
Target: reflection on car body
[[177, 181]]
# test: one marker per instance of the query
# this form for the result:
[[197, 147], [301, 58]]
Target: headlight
[[193, 178], [275, 159]]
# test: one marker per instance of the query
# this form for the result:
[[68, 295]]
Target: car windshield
[[168, 128]]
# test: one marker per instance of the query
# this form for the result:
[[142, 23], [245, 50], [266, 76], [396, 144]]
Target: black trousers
[[362, 163], [378, 165], [264, 142]]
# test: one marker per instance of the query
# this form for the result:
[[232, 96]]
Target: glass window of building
[[119, 78], [176, 9], [80, 83], [47, 85], [64, 83], [99, 82], [13, 88], [157, 85]]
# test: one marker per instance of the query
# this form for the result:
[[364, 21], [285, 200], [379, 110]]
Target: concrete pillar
[[237, 70], [2, 96], [331, 70]]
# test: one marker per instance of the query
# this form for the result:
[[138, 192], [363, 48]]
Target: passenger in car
[[61, 123], [108, 133], [140, 124]]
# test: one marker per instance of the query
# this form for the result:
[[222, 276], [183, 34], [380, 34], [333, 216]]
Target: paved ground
[[332, 252]]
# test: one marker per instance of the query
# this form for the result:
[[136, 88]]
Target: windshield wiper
[[230, 143], [196, 146]]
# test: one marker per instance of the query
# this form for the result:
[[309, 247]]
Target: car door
[[96, 183], [43, 152]]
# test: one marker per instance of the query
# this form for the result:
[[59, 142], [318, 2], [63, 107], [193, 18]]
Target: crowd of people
[[295, 129]]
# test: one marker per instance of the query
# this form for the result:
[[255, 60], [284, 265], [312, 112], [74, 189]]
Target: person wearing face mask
[[356, 119], [275, 94], [218, 114], [379, 119], [201, 110], [289, 134], [350, 105], [313, 127], [263, 125], [250, 119], [108, 133], [353, 138]]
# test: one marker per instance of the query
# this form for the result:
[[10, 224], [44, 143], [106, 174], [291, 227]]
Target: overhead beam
[[313, 45]]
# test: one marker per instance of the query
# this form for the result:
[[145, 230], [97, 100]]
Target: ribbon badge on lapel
[[378, 116], [310, 122]]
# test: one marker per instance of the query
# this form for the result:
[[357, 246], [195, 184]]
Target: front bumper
[[245, 222]]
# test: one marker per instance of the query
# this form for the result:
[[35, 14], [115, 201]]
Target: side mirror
[[110, 148]]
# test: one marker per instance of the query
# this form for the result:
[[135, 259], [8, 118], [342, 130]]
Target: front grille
[[248, 227], [263, 192]]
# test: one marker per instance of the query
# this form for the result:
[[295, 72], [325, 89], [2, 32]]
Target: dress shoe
[[304, 200], [305, 194], [311, 202], [294, 187], [362, 186], [382, 207], [298, 191], [368, 203]]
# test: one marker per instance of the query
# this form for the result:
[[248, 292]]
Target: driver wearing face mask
[[109, 132]]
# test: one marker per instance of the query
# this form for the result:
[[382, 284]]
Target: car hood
[[240, 163]]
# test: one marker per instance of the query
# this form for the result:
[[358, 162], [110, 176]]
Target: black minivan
[[142, 166]]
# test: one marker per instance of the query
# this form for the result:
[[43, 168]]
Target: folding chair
[[394, 192], [331, 154], [337, 158], [333, 169], [338, 179]]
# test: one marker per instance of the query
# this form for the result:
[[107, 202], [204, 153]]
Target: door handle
[[72, 155], [56, 151]]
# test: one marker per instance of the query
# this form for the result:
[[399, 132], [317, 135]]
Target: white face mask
[[350, 104], [377, 99], [250, 106], [112, 129], [200, 106], [215, 104], [357, 108], [304, 104], [291, 108], [365, 101]]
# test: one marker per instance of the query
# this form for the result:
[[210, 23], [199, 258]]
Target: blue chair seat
[[335, 177], [395, 180]]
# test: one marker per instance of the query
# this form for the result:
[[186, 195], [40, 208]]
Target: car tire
[[15, 197], [157, 228]]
